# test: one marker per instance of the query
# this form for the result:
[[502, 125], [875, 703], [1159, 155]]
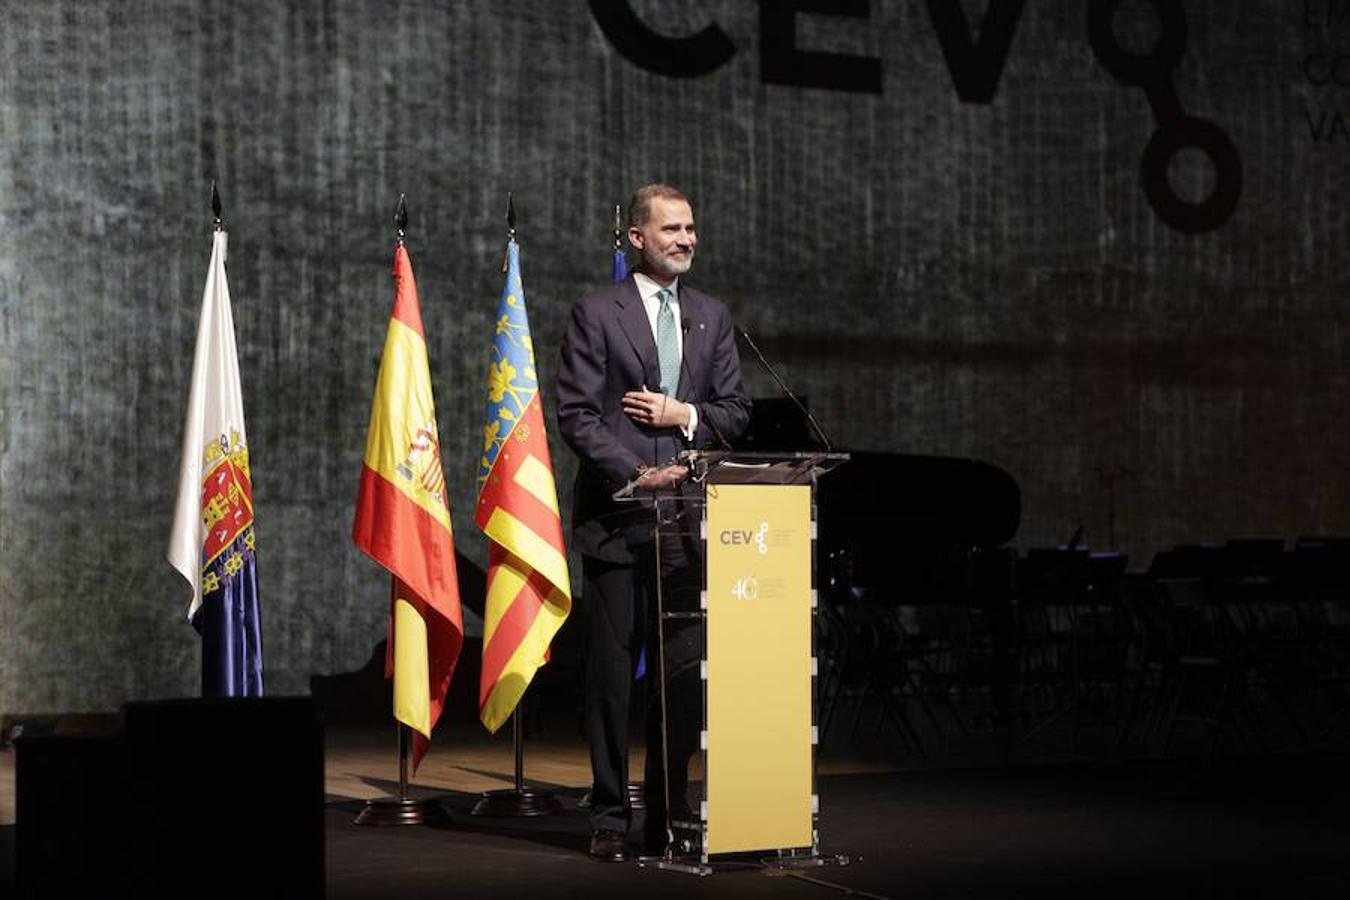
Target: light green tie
[[667, 344]]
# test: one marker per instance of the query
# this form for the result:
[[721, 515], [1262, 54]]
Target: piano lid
[[879, 496]]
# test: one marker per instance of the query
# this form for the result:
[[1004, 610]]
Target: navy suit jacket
[[608, 350]]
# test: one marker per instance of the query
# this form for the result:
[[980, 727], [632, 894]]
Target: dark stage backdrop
[[948, 254]]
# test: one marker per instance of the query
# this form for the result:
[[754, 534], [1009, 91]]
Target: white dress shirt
[[647, 289]]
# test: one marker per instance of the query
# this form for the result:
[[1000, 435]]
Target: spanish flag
[[403, 519], [529, 592]]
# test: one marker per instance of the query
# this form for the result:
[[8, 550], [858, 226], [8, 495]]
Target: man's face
[[666, 240]]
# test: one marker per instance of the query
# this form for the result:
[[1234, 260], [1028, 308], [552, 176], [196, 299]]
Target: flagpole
[[635, 789], [520, 748], [401, 810], [637, 798], [402, 761], [518, 800]]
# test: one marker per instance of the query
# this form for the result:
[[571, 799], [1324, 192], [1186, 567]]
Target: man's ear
[[635, 237]]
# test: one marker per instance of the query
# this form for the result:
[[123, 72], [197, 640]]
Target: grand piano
[[881, 506], [915, 582]]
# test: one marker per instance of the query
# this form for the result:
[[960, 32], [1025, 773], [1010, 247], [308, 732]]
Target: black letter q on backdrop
[[1175, 130], [683, 57]]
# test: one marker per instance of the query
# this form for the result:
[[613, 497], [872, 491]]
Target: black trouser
[[621, 602]]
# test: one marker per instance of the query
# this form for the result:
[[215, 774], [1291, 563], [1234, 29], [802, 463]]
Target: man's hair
[[640, 207]]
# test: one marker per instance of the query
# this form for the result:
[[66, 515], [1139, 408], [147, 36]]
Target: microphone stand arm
[[787, 391]]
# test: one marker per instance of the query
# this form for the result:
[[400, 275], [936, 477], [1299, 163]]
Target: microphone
[[815, 426], [684, 364]]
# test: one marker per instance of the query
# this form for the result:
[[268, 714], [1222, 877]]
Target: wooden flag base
[[519, 800], [512, 802], [402, 811]]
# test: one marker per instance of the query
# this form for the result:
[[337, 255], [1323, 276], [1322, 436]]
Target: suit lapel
[[633, 321], [695, 340]]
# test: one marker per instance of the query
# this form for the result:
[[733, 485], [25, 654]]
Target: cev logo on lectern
[[758, 538]]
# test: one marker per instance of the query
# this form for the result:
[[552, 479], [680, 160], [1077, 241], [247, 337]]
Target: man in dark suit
[[648, 368]]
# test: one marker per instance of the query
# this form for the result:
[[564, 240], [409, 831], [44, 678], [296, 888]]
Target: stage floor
[[1269, 827], [1274, 827]]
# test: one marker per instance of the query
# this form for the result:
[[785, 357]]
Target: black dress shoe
[[608, 846]]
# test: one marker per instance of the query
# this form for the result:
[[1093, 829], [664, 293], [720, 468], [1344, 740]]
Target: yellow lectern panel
[[759, 667]]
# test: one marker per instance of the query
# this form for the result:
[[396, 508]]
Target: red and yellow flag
[[529, 592], [403, 519]]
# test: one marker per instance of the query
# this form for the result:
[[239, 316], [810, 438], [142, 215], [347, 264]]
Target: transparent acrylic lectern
[[736, 668]]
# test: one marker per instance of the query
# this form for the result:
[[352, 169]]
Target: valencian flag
[[620, 265], [529, 591], [212, 543], [403, 519]]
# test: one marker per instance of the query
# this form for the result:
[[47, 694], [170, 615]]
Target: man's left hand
[[655, 410], [664, 477]]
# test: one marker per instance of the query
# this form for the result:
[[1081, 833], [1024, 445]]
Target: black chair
[[1205, 681], [1318, 582], [1076, 637]]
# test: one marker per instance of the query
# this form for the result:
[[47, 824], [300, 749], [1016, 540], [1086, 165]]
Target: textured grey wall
[[940, 277]]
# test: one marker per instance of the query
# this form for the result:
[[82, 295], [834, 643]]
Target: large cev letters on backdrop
[[976, 67], [682, 57]]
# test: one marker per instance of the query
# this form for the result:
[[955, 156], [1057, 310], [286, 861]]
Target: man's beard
[[668, 267]]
